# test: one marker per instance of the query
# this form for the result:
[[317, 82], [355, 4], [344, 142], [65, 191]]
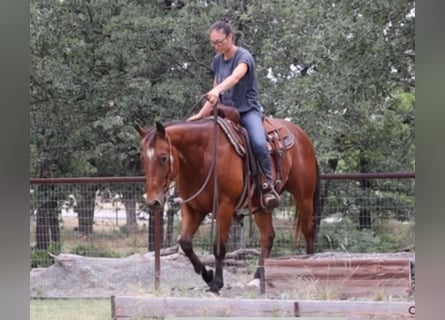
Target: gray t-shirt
[[244, 95]]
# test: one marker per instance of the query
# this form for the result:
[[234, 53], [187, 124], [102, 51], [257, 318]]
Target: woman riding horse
[[235, 84]]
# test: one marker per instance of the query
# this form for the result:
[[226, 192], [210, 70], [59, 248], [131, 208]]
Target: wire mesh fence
[[106, 217]]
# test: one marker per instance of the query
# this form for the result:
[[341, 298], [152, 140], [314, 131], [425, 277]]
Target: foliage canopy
[[343, 70]]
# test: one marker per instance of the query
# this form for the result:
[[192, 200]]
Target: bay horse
[[184, 152]]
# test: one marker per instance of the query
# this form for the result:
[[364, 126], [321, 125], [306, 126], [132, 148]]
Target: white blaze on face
[[150, 153], [171, 160]]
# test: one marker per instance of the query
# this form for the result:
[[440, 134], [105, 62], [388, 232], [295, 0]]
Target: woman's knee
[[258, 142]]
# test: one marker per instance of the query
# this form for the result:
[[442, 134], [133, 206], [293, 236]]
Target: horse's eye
[[163, 159]]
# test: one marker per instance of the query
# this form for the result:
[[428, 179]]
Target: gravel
[[78, 276]]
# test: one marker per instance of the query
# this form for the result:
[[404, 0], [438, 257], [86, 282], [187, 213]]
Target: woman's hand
[[195, 117], [212, 96]]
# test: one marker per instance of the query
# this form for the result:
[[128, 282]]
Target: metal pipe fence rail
[[106, 217]]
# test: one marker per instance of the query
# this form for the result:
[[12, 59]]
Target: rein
[[196, 103], [179, 200], [215, 178]]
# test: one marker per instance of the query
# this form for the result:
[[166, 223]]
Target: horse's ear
[[160, 128], [141, 130]]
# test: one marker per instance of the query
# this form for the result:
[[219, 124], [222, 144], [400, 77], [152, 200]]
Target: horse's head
[[157, 160]]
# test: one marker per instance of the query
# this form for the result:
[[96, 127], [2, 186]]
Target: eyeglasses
[[219, 42]]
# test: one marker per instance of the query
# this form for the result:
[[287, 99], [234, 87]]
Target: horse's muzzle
[[155, 204], [155, 201]]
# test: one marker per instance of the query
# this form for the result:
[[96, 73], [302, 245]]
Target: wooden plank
[[335, 269], [127, 307], [353, 262], [140, 307], [340, 289], [348, 277], [328, 272], [356, 309], [340, 283]]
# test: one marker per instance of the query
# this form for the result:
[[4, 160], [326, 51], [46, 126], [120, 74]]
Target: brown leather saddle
[[278, 138]]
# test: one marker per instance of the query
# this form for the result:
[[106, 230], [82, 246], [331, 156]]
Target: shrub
[[345, 236], [41, 258]]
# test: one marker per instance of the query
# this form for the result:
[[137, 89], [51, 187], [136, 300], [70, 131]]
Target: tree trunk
[[236, 235], [130, 209], [364, 205], [129, 200], [42, 228], [47, 230], [169, 231], [332, 162], [86, 210], [55, 230]]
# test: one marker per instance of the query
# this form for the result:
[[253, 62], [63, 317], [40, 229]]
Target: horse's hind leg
[[303, 185], [189, 226], [306, 223], [303, 193]]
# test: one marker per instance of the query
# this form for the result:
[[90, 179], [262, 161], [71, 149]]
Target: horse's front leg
[[190, 223], [219, 253], [224, 221], [263, 220]]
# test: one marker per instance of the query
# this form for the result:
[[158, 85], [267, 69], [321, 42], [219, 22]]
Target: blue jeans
[[251, 120]]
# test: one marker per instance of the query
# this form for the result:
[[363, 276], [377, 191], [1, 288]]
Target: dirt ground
[[77, 276]]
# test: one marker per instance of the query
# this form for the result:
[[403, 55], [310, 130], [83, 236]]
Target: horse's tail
[[316, 206], [316, 211]]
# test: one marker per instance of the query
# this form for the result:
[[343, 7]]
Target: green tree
[[343, 70]]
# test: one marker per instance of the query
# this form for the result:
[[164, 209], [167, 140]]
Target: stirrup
[[270, 198]]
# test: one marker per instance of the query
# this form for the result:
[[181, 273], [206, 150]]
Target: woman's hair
[[222, 25]]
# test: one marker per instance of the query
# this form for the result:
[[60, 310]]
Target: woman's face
[[220, 41]]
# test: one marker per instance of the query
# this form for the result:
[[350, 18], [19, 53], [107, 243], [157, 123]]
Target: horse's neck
[[190, 141], [191, 146]]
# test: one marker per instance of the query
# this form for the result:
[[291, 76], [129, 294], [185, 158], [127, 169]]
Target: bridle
[[170, 171]]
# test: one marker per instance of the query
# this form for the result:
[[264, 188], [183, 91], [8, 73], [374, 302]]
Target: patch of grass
[[41, 258], [91, 250], [70, 309]]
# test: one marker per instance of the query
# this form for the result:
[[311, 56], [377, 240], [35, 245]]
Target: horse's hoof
[[207, 275], [215, 286], [220, 285], [214, 290]]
